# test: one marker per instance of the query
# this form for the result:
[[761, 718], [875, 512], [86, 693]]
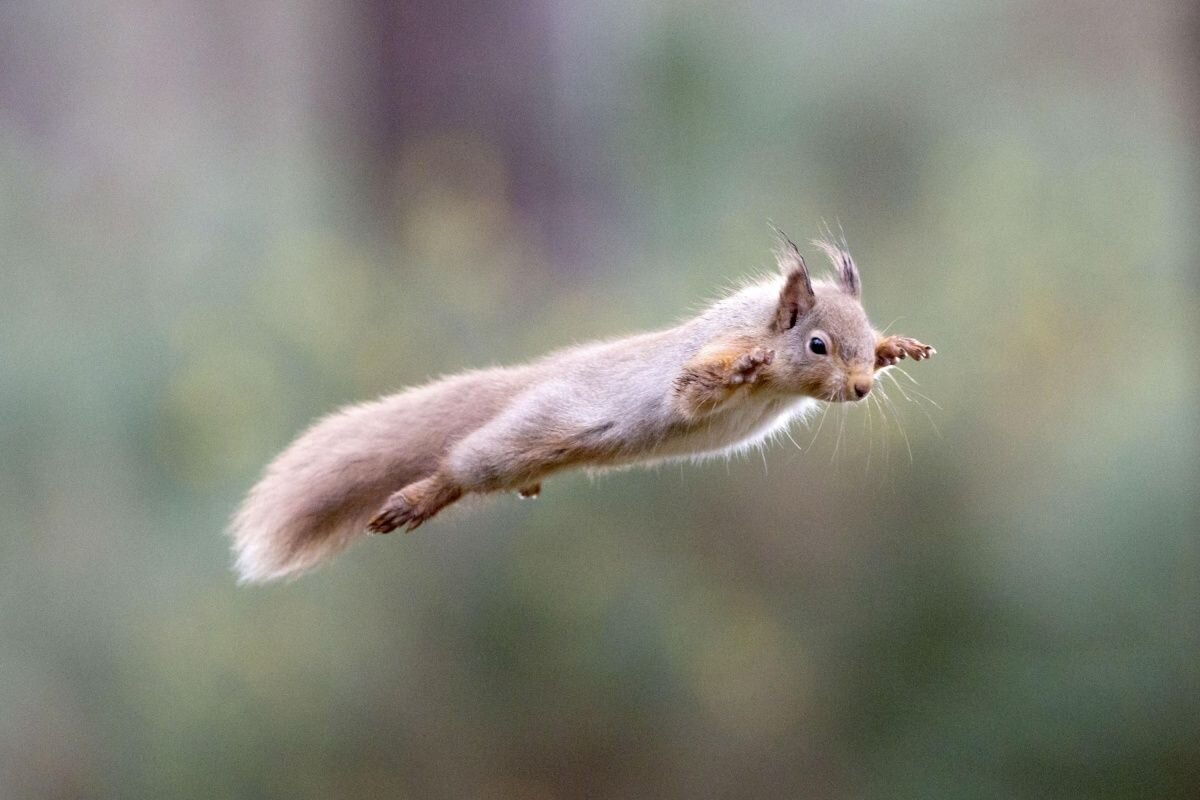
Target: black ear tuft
[[796, 297], [843, 264]]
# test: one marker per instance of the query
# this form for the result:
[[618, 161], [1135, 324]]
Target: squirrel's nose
[[861, 387]]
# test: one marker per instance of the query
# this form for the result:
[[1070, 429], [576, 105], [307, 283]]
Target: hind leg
[[415, 503], [509, 454]]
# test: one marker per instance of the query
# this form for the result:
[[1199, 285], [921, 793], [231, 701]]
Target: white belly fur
[[737, 428]]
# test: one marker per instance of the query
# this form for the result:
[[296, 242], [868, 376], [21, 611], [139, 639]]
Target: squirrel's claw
[[746, 367], [894, 348], [415, 504], [398, 511]]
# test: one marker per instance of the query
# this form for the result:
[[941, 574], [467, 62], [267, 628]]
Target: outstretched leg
[[505, 455]]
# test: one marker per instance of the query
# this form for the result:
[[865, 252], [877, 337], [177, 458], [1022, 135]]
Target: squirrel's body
[[720, 381]]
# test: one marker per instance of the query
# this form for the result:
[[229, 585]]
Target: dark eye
[[817, 345]]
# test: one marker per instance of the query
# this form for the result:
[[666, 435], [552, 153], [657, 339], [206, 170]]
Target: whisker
[[927, 399], [898, 386], [929, 417], [883, 427], [896, 414], [883, 422], [870, 437], [841, 428], [820, 422], [904, 372], [786, 432], [923, 396], [920, 394]]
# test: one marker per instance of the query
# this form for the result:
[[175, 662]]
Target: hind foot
[[413, 505], [529, 492], [396, 512]]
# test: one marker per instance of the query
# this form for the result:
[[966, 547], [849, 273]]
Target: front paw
[[748, 367], [893, 348]]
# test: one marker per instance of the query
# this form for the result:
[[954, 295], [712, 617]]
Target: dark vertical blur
[[221, 220]]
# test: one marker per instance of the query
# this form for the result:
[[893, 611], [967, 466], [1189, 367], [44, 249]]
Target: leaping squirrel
[[720, 381]]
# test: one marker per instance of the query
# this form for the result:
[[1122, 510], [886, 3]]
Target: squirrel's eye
[[817, 345]]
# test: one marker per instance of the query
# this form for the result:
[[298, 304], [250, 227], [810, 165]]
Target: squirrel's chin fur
[[719, 382]]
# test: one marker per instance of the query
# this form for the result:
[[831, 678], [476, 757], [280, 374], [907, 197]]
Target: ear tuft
[[796, 297], [843, 265]]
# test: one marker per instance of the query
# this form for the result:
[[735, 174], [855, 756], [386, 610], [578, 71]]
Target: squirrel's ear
[[847, 271], [796, 298]]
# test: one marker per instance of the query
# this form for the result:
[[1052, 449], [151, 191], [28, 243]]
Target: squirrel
[[718, 382]]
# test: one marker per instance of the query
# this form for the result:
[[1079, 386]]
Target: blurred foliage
[[222, 221]]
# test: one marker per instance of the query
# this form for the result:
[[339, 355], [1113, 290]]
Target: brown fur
[[716, 382]]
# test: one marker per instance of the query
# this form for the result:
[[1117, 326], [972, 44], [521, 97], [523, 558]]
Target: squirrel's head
[[827, 344]]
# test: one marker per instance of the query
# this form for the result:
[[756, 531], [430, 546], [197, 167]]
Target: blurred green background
[[221, 220]]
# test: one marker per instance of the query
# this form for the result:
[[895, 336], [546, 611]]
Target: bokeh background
[[221, 220]]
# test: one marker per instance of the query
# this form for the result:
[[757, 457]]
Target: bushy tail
[[317, 496]]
